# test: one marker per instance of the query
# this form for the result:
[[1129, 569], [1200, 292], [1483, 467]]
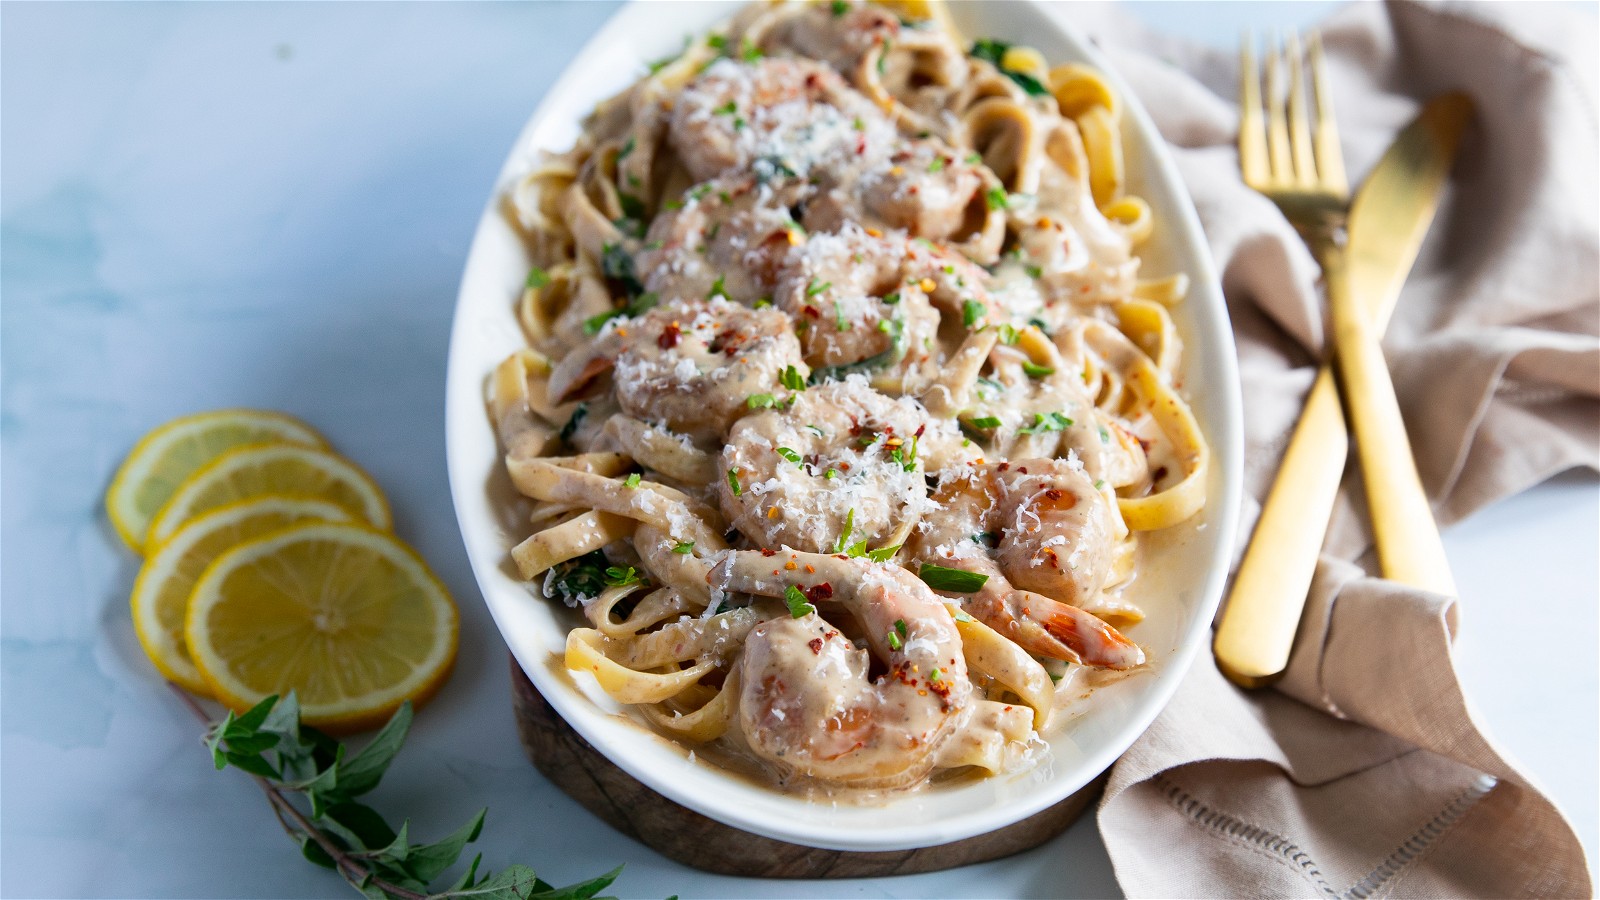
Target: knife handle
[[1258, 625], [1409, 548]]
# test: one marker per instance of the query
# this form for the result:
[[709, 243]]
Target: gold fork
[[1300, 168]]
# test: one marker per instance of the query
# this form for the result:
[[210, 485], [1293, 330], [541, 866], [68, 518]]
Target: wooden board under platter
[[695, 840]]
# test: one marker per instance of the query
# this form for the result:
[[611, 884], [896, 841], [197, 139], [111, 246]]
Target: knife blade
[[1388, 221]]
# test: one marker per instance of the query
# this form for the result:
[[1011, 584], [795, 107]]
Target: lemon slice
[[257, 469], [161, 593], [171, 453], [346, 616]]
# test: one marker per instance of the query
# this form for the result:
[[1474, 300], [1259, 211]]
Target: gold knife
[[1387, 223]]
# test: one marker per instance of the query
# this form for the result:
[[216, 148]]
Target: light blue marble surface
[[269, 205]]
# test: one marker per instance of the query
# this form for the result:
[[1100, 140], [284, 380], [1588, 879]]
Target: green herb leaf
[[617, 576], [362, 772], [571, 428], [684, 548], [760, 401], [994, 51], [814, 289], [581, 578], [733, 482], [717, 289], [937, 165], [790, 455], [1046, 422], [985, 422], [893, 640], [884, 554], [839, 8], [892, 299], [956, 581], [1034, 272], [1034, 370], [996, 198], [972, 312], [960, 616], [1009, 335], [799, 606], [843, 540], [633, 480], [537, 278], [792, 379]]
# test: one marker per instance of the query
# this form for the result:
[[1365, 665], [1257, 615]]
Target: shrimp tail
[[1090, 638], [1053, 629]]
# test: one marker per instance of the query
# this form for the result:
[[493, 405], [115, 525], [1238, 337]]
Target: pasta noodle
[[845, 408]]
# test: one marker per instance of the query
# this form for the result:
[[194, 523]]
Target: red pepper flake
[[669, 336], [920, 429], [766, 552], [816, 645], [811, 311], [818, 593], [1005, 467], [1053, 494]]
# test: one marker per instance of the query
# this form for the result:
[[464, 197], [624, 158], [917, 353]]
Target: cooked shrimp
[[690, 364], [729, 238], [850, 291], [794, 111], [928, 189], [1051, 532], [807, 704], [841, 458]]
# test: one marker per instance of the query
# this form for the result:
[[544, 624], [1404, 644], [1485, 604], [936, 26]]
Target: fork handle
[[1269, 591], [1409, 548]]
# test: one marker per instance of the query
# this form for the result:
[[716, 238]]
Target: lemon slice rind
[[140, 487], [239, 475], [160, 597], [279, 611]]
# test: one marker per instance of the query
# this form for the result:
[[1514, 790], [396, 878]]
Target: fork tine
[[1329, 158], [1252, 130], [1305, 165], [1277, 127]]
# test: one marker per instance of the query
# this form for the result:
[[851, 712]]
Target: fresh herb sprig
[[336, 831]]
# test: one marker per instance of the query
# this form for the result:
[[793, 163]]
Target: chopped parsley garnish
[[1105, 436], [884, 55], [1034, 272], [814, 289], [830, 474], [766, 168], [883, 554], [954, 580], [799, 606], [790, 455], [761, 303], [937, 164], [892, 299], [1040, 324], [974, 158], [760, 401], [792, 379], [1099, 484], [717, 290], [963, 617], [839, 321], [858, 125], [934, 675], [986, 538], [684, 547], [750, 52], [900, 627], [716, 42], [583, 577], [632, 480], [816, 431], [994, 51], [839, 7], [972, 312], [985, 422], [733, 482], [727, 109], [1035, 370], [617, 264], [996, 198], [843, 540], [537, 278], [571, 428], [620, 577], [1043, 422], [893, 640], [1009, 334], [626, 149]]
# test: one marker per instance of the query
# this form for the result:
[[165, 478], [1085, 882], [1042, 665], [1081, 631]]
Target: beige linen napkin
[[1365, 774]]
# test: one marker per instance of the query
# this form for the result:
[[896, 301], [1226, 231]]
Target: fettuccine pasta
[[845, 408]]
